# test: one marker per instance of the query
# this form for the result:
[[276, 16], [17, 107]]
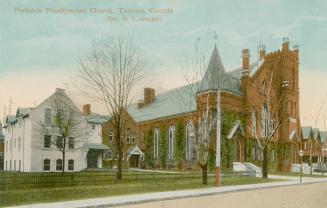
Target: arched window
[[189, 141], [46, 165], [59, 165], [156, 144], [71, 164], [171, 134], [254, 122], [264, 120]]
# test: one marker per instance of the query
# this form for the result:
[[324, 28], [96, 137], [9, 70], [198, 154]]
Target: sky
[[39, 51]]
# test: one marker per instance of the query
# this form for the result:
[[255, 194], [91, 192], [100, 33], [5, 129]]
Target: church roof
[[174, 102], [181, 100]]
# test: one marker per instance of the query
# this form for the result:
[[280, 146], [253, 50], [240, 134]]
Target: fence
[[13, 180]]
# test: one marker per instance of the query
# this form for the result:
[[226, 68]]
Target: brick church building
[[161, 130]]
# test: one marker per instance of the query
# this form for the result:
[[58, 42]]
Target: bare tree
[[315, 131], [272, 115], [206, 125], [323, 165], [110, 73], [199, 84], [62, 127]]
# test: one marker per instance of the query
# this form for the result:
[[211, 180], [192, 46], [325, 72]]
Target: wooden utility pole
[[218, 139]]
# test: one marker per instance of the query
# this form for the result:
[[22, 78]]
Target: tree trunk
[[63, 144], [265, 162], [119, 174], [63, 160], [204, 174], [310, 164], [119, 167]]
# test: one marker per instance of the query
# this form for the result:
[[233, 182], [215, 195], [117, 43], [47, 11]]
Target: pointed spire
[[215, 70]]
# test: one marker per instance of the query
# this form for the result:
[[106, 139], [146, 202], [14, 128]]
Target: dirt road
[[301, 196]]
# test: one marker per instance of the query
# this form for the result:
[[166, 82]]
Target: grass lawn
[[37, 195]]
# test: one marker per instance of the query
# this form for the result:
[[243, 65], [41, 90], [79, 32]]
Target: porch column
[[99, 165]]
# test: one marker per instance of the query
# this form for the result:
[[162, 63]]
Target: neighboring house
[[312, 144], [160, 132], [323, 135], [2, 140], [28, 148]]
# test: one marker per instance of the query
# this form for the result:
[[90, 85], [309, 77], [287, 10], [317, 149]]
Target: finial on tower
[[215, 37]]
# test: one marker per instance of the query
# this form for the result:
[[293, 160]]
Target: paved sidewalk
[[149, 197]]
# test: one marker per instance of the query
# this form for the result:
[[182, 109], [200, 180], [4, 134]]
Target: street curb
[[270, 186], [124, 200]]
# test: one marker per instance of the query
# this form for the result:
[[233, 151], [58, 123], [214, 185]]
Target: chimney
[[262, 52], [285, 44], [149, 95], [245, 62], [87, 109], [60, 91]]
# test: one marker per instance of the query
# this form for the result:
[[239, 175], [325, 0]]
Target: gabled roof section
[[323, 136], [61, 98], [316, 134], [306, 132], [293, 135], [134, 150], [236, 128]]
